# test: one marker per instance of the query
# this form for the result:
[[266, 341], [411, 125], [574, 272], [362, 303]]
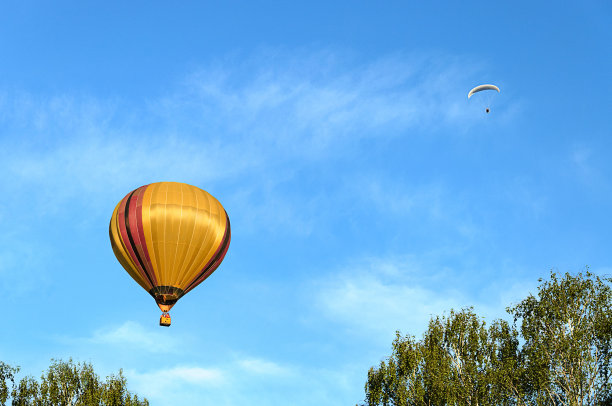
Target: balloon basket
[[164, 320]]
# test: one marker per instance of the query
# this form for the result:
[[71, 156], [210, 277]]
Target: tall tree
[[567, 330], [564, 359], [458, 361]]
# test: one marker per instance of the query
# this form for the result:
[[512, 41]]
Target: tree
[[67, 384], [564, 359], [567, 330], [458, 361]]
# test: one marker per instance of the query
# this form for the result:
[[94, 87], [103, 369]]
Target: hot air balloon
[[169, 237], [487, 98]]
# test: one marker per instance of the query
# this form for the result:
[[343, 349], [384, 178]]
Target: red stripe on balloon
[[137, 232], [125, 237]]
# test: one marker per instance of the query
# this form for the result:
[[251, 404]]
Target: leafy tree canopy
[[566, 331], [66, 384]]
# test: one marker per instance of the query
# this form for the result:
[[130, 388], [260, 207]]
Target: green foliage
[[458, 361], [27, 393], [67, 384], [567, 330], [565, 358], [7, 373]]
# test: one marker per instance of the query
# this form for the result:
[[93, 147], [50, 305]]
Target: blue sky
[[365, 192]]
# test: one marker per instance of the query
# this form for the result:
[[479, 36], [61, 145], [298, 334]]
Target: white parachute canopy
[[480, 88], [486, 99]]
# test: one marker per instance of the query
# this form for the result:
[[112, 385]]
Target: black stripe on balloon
[[220, 252], [129, 233]]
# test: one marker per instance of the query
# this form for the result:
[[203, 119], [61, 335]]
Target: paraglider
[[481, 88], [169, 237]]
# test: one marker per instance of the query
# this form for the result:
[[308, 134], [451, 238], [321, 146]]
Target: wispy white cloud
[[263, 367], [129, 337], [247, 381], [380, 298], [229, 383], [182, 375], [132, 334], [247, 125], [377, 296], [89, 169], [304, 105], [176, 385]]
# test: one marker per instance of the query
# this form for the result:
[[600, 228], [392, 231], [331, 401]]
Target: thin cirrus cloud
[[135, 336], [304, 105], [263, 367], [245, 381], [377, 296], [174, 380], [131, 337], [380, 300], [176, 385], [247, 378], [240, 122], [192, 375]]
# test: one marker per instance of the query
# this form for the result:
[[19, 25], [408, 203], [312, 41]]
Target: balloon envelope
[[169, 237]]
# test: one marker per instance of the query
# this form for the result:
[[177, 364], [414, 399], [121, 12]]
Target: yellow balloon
[[169, 237]]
